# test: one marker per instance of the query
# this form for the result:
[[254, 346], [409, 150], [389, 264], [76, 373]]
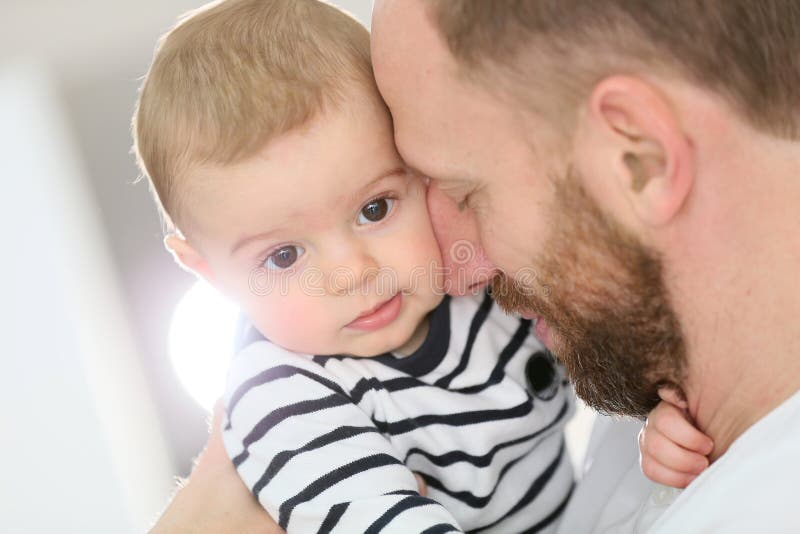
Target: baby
[[271, 154]]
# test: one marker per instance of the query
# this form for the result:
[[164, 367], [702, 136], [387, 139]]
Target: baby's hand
[[672, 451]]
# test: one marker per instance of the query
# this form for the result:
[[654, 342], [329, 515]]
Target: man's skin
[[716, 241], [719, 206], [214, 499]]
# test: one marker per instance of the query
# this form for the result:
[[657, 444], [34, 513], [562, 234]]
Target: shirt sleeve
[[314, 459]]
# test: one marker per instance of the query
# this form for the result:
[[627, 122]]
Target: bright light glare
[[201, 339]]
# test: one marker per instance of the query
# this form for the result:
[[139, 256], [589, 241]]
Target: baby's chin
[[403, 341], [361, 346], [357, 348], [405, 345]]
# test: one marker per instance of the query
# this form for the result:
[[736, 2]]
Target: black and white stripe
[[328, 444]]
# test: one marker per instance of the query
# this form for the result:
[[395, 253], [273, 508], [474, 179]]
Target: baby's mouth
[[378, 316]]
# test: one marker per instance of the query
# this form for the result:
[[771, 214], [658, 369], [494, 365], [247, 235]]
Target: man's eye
[[375, 210], [284, 257]]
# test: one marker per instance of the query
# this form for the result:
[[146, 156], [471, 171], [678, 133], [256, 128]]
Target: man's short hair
[[233, 75], [746, 51]]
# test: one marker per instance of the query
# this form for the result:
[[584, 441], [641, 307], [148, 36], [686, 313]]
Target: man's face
[[601, 294], [559, 256], [478, 150]]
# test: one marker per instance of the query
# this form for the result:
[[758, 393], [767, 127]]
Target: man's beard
[[602, 295]]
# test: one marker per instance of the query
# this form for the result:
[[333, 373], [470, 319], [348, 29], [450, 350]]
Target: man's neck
[[743, 342], [725, 417], [735, 269]]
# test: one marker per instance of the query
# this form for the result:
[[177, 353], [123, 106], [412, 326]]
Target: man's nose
[[466, 267]]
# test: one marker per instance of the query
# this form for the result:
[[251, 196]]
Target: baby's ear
[[188, 257]]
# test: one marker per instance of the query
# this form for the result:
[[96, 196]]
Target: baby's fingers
[[659, 448], [664, 475], [673, 424]]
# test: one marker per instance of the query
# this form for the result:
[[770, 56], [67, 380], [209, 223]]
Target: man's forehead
[[390, 10], [399, 30]]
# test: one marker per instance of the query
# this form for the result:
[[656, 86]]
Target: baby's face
[[323, 237]]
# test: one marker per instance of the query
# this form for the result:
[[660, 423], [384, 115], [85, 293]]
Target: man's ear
[[649, 152], [188, 257]]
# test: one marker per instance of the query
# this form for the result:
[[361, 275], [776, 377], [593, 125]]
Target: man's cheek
[[444, 217], [508, 252]]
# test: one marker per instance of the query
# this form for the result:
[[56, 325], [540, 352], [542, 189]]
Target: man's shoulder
[[754, 485]]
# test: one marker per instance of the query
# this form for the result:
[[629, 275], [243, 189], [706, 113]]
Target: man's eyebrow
[[412, 169], [450, 185]]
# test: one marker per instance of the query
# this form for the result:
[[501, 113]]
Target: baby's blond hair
[[233, 75]]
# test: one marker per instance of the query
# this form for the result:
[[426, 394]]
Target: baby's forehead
[[300, 178]]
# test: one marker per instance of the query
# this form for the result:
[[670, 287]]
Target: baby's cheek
[[297, 325], [413, 242], [424, 255]]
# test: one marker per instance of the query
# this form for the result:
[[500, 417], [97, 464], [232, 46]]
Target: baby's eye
[[375, 210], [284, 257]]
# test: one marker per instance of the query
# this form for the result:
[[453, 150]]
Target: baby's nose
[[354, 271]]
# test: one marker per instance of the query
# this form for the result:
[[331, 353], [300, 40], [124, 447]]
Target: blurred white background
[[95, 422]]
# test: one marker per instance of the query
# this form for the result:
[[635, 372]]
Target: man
[[641, 159], [630, 169]]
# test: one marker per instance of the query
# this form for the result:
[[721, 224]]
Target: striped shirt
[[329, 443]]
